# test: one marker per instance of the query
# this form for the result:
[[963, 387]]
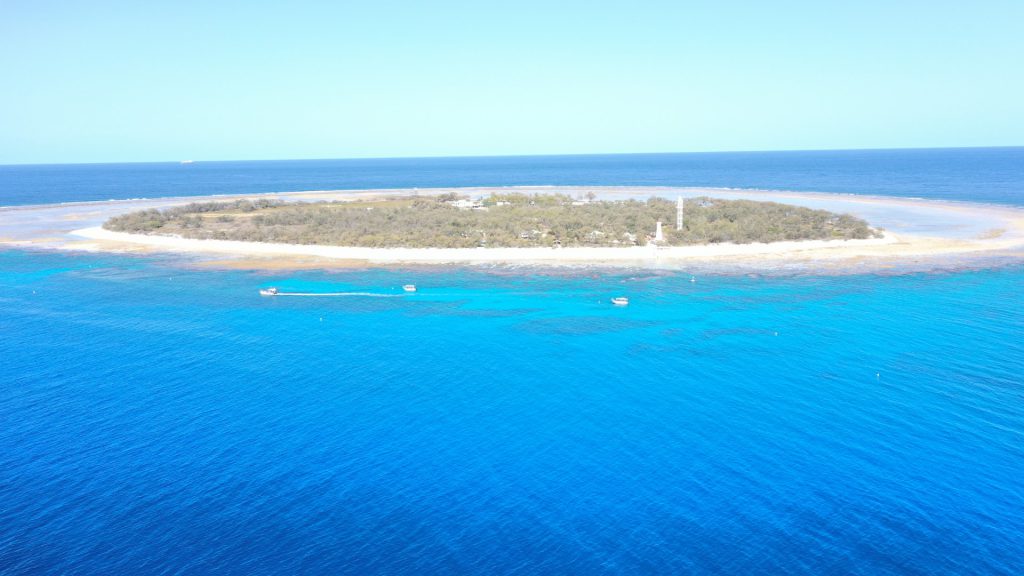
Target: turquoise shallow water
[[159, 420]]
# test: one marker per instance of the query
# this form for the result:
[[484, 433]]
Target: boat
[[268, 292], [188, 161], [409, 287], [620, 301]]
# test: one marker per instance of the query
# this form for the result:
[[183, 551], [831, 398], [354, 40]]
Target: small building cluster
[[467, 204]]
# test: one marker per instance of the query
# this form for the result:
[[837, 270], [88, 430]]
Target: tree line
[[500, 220]]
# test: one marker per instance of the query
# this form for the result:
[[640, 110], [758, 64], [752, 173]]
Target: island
[[499, 220], [723, 230]]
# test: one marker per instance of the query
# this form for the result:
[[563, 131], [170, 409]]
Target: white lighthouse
[[679, 213], [658, 235]]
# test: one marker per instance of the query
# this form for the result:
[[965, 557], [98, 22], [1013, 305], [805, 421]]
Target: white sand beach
[[915, 231]]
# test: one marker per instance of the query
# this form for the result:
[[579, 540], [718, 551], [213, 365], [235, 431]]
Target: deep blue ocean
[[975, 174], [160, 419]]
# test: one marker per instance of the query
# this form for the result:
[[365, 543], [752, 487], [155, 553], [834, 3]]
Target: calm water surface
[[161, 420], [978, 174]]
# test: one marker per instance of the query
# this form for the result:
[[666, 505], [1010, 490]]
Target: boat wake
[[334, 294]]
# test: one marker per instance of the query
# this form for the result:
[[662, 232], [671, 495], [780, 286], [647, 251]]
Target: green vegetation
[[501, 220]]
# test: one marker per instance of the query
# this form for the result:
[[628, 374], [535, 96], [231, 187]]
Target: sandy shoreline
[[916, 230], [471, 255]]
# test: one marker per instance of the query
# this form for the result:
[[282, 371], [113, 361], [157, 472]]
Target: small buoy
[[693, 279], [878, 375]]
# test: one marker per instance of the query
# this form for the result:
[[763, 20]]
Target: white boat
[[409, 287], [187, 161], [268, 292], [620, 301]]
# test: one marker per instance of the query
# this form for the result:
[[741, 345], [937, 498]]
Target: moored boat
[[620, 301], [409, 287]]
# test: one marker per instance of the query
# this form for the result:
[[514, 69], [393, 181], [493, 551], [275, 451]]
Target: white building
[[466, 204]]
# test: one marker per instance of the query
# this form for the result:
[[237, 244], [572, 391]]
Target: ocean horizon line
[[188, 161]]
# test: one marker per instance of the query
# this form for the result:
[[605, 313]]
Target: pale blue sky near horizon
[[141, 81]]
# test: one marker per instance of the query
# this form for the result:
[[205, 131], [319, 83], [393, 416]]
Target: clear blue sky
[[135, 81]]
